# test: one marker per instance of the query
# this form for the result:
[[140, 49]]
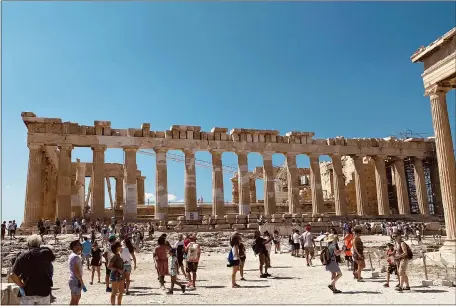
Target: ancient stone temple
[[439, 77], [313, 194]]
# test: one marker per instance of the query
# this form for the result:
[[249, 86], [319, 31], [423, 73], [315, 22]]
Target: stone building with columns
[[53, 132], [439, 77]]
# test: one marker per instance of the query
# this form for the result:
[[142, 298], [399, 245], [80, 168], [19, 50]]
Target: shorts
[[108, 272], [392, 268], [403, 264], [309, 251], [348, 258], [192, 266], [85, 256], [235, 262], [295, 246], [127, 268], [75, 287], [115, 277]]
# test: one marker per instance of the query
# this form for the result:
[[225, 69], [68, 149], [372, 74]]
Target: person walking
[[295, 238], [3, 230], [308, 245], [127, 254], [107, 255], [173, 269], [86, 251], [161, 260], [331, 262], [276, 241], [259, 248], [242, 258], [403, 254], [116, 277], [14, 229], [32, 272], [179, 246], [348, 243], [392, 266], [96, 261], [75, 265], [235, 262], [358, 255], [193, 252]]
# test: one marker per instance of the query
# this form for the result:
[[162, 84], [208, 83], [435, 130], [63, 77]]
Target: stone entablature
[[52, 131]]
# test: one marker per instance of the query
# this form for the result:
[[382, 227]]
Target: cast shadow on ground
[[279, 267], [254, 280], [360, 292], [429, 291], [141, 293], [284, 277], [376, 280], [253, 287], [212, 287]]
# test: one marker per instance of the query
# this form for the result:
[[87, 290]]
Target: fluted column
[[403, 202], [218, 198], [361, 196], [420, 184], [269, 184], [161, 185], [141, 193], [445, 159], [339, 186], [381, 185], [315, 184], [75, 207], [50, 196], [81, 175], [235, 190], [191, 204], [98, 182], [33, 197], [130, 210], [64, 183], [293, 189], [119, 192], [252, 187], [244, 188]]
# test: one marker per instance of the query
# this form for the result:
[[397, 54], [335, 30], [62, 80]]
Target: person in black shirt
[[32, 271], [96, 261], [3, 230], [262, 252]]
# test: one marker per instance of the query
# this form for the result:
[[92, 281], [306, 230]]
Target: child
[[173, 268], [392, 267], [96, 261], [276, 242]]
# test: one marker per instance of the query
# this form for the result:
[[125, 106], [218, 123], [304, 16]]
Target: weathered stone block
[[238, 226], [222, 226], [253, 226]]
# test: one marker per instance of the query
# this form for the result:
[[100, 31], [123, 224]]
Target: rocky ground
[[292, 281]]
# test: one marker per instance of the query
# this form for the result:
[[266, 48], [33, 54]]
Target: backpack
[[324, 256], [409, 252], [230, 256], [192, 254]]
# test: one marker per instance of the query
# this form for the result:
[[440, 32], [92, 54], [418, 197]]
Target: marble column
[[119, 192], [293, 189], [81, 176], [381, 185], [75, 208], [50, 196], [420, 184], [269, 185], [403, 202], [252, 187], [244, 188], [339, 186], [64, 183], [191, 204], [98, 182], [141, 193], [235, 190], [33, 196], [445, 160], [360, 178], [161, 185], [130, 210], [218, 198], [315, 185]]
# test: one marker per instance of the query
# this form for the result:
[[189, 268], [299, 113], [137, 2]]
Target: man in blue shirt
[[86, 251]]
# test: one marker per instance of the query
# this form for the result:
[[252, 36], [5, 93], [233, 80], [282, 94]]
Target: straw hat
[[330, 238]]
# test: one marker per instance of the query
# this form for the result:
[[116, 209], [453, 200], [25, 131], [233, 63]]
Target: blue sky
[[338, 69]]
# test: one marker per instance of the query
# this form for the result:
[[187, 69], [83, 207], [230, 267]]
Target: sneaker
[[127, 293], [108, 289], [308, 265], [399, 289], [406, 288], [386, 285], [169, 292], [242, 279], [267, 274], [183, 289], [398, 285], [337, 291], [91, 283], [331, 288], [263, 276]]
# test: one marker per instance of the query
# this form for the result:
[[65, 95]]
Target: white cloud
[[171, 197], [149, 195]]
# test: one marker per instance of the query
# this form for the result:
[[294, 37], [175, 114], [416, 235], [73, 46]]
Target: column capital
[[290, 154], [160, 150], [65, 147], [242, 152], [35, 146], [217, 152], [130, 148], [421, 158], [141, 178], [334, 155], [376, 157], [436, 89], [313, 155], [189, 151], [267, 155], [399, 158], [99, 148]]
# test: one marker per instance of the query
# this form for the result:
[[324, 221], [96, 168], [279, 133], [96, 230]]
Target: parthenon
[[47, 134]]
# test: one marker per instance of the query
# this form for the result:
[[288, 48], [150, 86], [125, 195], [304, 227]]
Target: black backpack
[[409, 252], [324, 256]]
